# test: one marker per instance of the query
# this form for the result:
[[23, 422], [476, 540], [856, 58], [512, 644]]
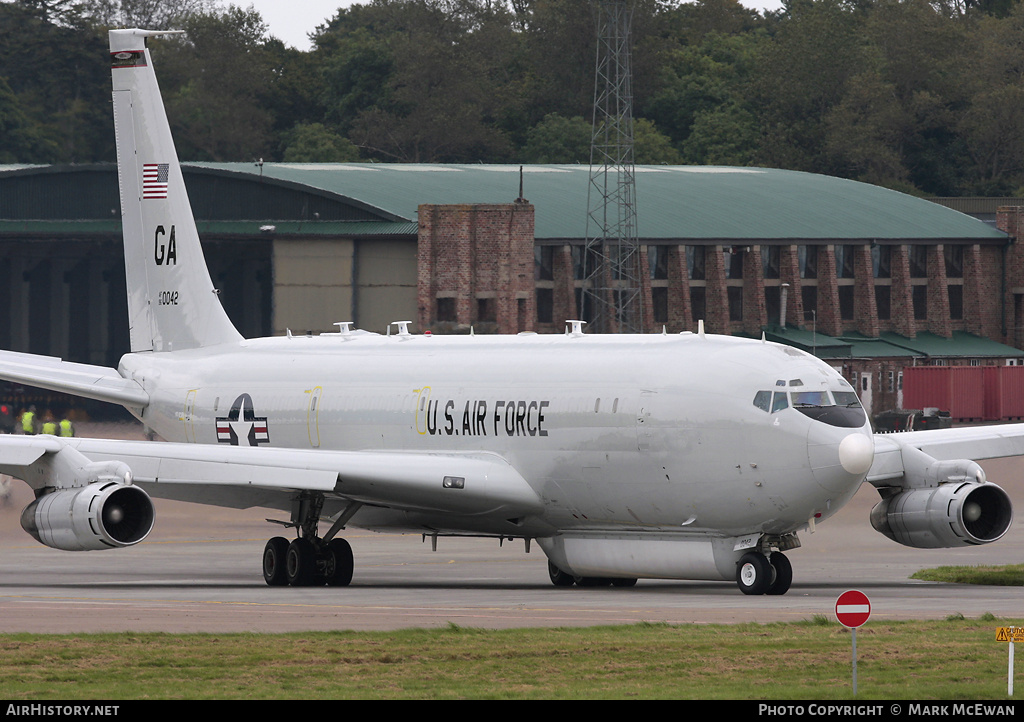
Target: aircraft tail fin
[[172, 303]]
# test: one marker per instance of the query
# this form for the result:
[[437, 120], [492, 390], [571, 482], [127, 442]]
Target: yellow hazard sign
[[1010, 634]]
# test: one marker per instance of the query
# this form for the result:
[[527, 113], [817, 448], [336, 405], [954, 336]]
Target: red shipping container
[[1011, 392], [960, 390], [989, 393]]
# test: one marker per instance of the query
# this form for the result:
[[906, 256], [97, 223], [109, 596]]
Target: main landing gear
[[307, 562], [758, 574], [310, 560]]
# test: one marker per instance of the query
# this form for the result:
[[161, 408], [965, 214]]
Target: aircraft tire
[[275, 572], [753, 573], [558, 577], [339, 563], [782, 576], [300, 561], [624, 582]]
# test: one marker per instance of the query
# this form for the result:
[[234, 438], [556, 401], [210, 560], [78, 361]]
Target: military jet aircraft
[[683, 456]]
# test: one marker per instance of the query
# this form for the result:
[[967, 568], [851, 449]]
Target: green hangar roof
[[674, 203]]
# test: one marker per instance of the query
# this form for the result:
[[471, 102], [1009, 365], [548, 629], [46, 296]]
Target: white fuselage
[[640, 433]]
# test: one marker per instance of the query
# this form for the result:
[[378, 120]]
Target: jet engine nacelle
[[954, 514], [103, 515]]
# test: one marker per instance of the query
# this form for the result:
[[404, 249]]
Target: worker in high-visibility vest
[[49, 424], [28, 420], [66, 429]]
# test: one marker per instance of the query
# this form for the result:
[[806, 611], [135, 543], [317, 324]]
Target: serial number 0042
[[167, 298]]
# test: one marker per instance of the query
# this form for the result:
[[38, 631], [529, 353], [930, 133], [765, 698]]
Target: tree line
[[925, 97]]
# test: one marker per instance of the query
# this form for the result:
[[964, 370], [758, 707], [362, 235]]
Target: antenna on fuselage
[[700, 328], [403, 327]]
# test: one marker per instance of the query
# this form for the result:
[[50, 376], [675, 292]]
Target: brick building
[[475, 268]]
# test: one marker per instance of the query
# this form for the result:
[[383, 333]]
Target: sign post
[[1011, 635], [853, 609]]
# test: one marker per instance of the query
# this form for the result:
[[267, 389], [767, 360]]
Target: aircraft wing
[[93, 382], [242, 477], [966, 442]]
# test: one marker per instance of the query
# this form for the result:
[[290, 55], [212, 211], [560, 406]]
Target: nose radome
[[856, 453]]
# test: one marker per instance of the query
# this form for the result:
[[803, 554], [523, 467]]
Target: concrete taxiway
[[199, 571]]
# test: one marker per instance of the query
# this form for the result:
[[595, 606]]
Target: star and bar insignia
[[241, 427]]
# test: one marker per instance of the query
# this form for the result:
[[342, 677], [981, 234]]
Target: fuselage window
[[763, 400], [780, 402]]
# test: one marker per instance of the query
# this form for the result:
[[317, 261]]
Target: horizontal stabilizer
[[92, 382]]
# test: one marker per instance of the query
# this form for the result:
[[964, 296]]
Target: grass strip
[[1011, 575], [956, 658]]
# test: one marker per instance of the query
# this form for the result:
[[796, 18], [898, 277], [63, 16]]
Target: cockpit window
[[811, 398], [847, 398], [835, 408], [845, 411]]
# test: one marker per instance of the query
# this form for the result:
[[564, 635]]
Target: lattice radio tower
[[611, 300]]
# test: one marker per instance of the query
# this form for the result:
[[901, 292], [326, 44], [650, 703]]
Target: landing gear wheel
[[621, 582], [753, 573], [274, 570], [782, 575], [558, 577], [338, 569], [300, 562]]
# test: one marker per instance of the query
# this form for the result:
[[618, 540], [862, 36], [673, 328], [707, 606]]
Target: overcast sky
[[292, 21]]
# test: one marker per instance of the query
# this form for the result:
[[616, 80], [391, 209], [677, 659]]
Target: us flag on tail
[[154, 180]]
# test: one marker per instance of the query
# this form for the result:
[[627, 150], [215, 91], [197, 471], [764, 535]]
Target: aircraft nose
[[856, 453]]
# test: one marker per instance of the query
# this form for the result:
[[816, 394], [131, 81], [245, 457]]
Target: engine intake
[[949, 515], [104, 515]]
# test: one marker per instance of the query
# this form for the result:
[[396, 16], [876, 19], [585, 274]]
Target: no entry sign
[[853, 608]]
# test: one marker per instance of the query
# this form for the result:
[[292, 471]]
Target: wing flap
[[452, 483]]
